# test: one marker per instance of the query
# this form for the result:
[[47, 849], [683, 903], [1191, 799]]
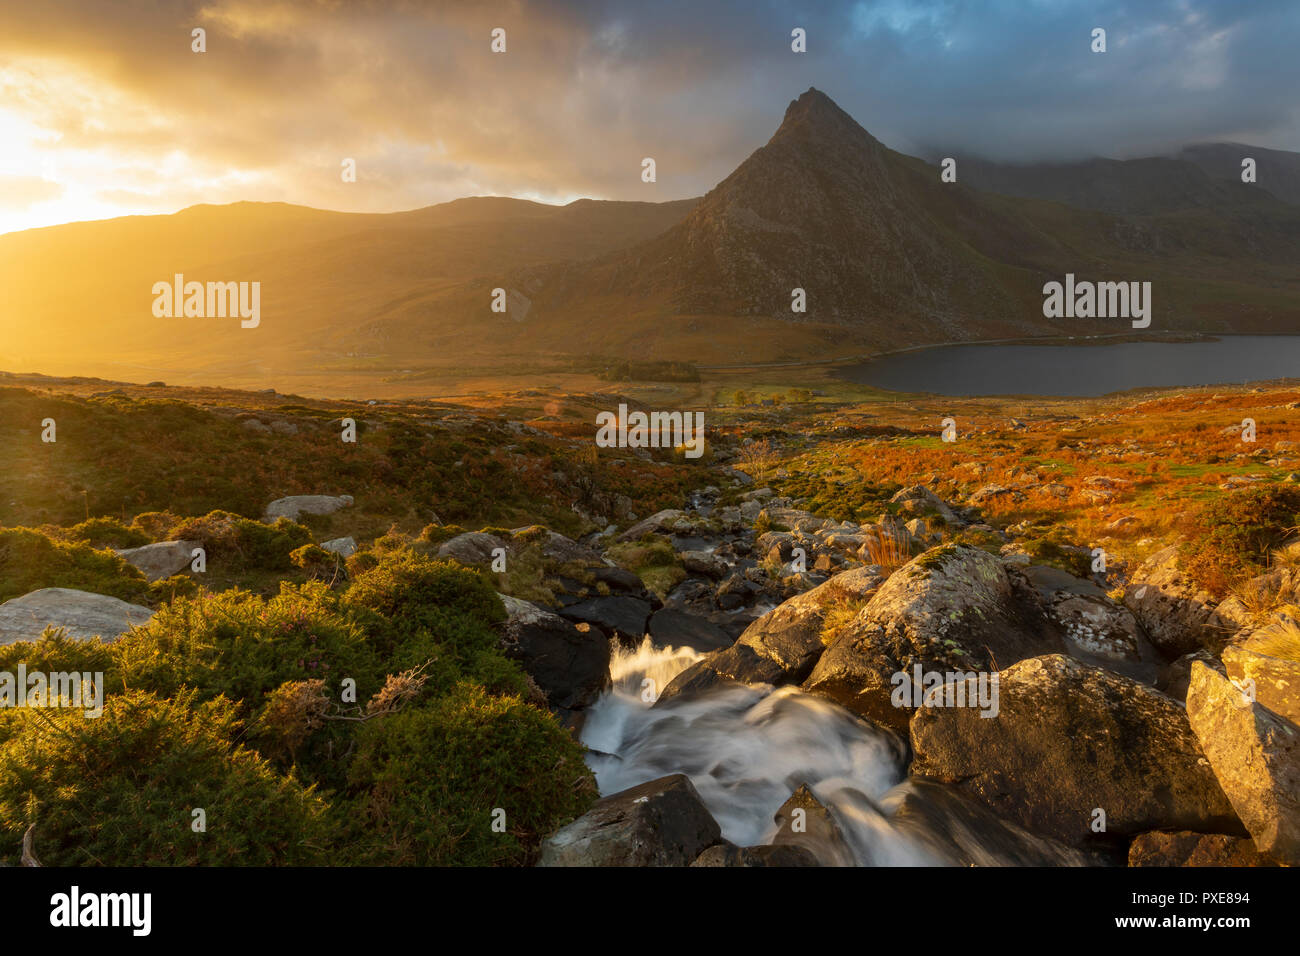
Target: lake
[[1081, 370]]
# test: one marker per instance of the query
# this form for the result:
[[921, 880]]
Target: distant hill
[[888, 255]]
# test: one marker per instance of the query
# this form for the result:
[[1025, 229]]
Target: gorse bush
[[29, 560], [243, 543], [121, 790], [378, 723]]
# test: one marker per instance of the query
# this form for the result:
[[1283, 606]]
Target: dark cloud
[[412, 91]]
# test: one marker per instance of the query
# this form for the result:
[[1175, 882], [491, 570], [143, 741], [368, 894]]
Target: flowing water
[[746, 749]]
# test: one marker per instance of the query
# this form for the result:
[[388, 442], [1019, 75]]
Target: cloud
[[412, 91]]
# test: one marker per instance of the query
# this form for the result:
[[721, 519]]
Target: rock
[[660, 823], [295, 506], [957, 831], [561, 550], [281, 427], [1256, 757], [1177, 616], [570, 666], [619, 615], [1277, 680], [802, 821], [1178, 675], [1069, 739], [727, 854], [793, 518], [620, 579], [1096, 629], [1185, 848], [656, 522], [344, 547], [703, 562], [471, 548], [954, 609], [782, 646], [83, 614], [921, 501], [255, 425], [162, 559], [669, 627]]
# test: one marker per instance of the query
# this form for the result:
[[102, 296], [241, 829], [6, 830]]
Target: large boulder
[[660, 823], [82, 614], [294, 506], [1096, 629], [1177, 616], [343, 547], [669, 627], [161, 559], [1276, 679], [782, 646], [1070, 739], [958, 831], [1256, 756], [920, 501], [668, 519], [703, 562], [619, 616], [569, 665], [471, 548], [952, 610]]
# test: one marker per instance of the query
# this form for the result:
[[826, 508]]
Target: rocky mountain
[[887, 254]]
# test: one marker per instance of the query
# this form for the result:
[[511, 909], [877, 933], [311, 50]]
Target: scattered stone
[[161, 559], [343, 547], [295, 506]]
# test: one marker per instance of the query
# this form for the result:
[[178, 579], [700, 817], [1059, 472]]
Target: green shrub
[[29, 561], [241, 543], [427, 781], [240, 645], [107, 533], [120, 790]]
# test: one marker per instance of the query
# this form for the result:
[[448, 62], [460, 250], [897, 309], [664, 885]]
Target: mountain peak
[[816, 112]]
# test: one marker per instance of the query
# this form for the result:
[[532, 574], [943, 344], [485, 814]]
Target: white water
[[746, 749]]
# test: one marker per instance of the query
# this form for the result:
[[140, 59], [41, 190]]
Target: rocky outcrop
[[1276, 680], [1256, 757], [1070, 740], [782, 646], [1177, 616], [660, 823], [952, 610], [161, 559], [570, 666], [82, 614], [295, 506]]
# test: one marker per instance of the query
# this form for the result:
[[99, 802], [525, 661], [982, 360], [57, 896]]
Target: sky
[[105, 110]]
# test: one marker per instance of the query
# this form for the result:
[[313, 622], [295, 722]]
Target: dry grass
[[888, 549], [1280, 639]]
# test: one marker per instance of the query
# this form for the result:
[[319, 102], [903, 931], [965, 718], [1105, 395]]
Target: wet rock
[[672, 628], [1256, 757], [957, 831], [703, 562], [570, 666], [81, 613], [802, 821], [1070, 739], [782, 646], [621, 616], [660, 823]]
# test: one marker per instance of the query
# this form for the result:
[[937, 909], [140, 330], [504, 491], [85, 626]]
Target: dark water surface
[[1081, 370]]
